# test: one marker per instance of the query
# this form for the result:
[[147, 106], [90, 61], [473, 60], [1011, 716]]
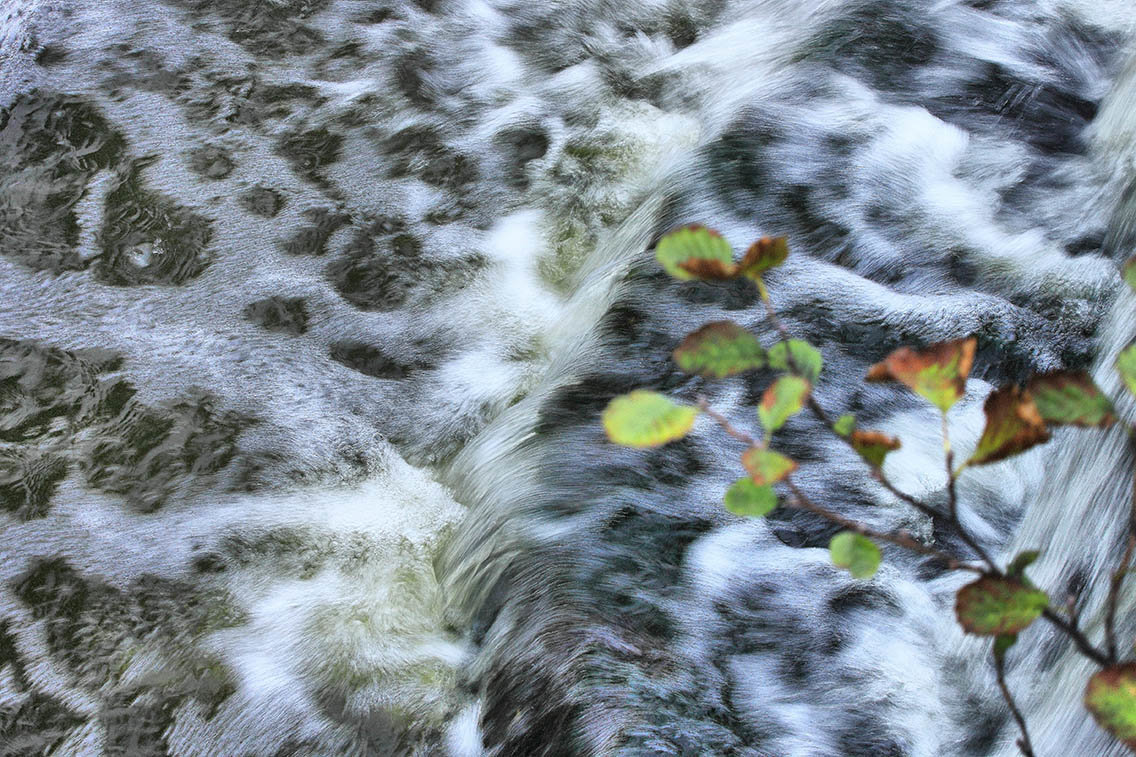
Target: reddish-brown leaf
[[1013, 425], [873, 446], [706, 268], [937, 373]]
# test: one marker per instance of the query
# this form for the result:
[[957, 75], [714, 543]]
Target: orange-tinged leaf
[[996, 606], [873, 446], [1111, 698], [937, 373], [646, 419], [1071, 397], [762, 255], [1013, 425], [782, 400], [720, 349], [695, 251], [766, 466]]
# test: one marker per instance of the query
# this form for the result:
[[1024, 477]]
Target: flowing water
[[310, 307]]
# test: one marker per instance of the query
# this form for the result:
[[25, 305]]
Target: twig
[[1084, 646], [724, 422], [1024, 741], [899, 538], [952, 503]]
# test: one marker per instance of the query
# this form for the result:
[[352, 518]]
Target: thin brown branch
[[1024, 741], [898, 538], [724, 422], [1084, 646]]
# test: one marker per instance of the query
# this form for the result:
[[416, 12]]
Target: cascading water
[[310, 308]]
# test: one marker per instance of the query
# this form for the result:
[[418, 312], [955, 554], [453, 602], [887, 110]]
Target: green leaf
[[1021, 562], [844, 424], [1002, 645], [747, 498], [1013, 425], [766, 466], [805, 358], [1126, 366], [765, 253], [856, 553], [1128, 270], [695, 252], [873, 446], [720, 349], [1111, 698], [993, 606], [1071, 398], [937, 373], [646, 419], [781, 400]]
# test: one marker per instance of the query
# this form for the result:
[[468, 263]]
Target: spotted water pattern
[[310, 308]]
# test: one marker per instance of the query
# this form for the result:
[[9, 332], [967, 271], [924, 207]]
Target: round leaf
[[1111, 698], [796, 356], [747, 498], [720, 349], [781, 400], [765, 253], [855, 553], [937, 373], [766, 466], [993, 606], [1013, 425], [844, 424], [1126, 366], [1071, 397], [695, 252], [873, 446], [646, 419]]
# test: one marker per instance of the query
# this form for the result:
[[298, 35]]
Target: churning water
[[310, 307]]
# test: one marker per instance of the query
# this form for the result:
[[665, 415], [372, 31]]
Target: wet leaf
[[855, 553], [747, 498], [994, 606], [720, 349], [765, 253], [766, 466], [873, 446], [1128, 271], [844, 424], [1111, 698], [782, 400], [805, 358], [695, 252], [1071, 397], [1126, 366], [1013, 425], [646, 419], [937, 373]]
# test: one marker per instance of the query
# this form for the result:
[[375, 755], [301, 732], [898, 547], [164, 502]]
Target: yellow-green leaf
[[1111, 698], [646, 419], [844, 424], [720, 349], [762, 255], [937, 373], [766, 466], [873, 446], [855, 553], [695, 252], [1128, 270], [747, 498], [1126, 366], [1022, 561], [1071, 398], [1013, 425], [995, 606], [796, 356], [781, 400]]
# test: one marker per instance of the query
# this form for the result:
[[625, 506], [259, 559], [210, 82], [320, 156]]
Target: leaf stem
[[1024, 741], [899, 538], [724, 422]]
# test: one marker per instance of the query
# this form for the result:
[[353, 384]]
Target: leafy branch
[[1001, 602]]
